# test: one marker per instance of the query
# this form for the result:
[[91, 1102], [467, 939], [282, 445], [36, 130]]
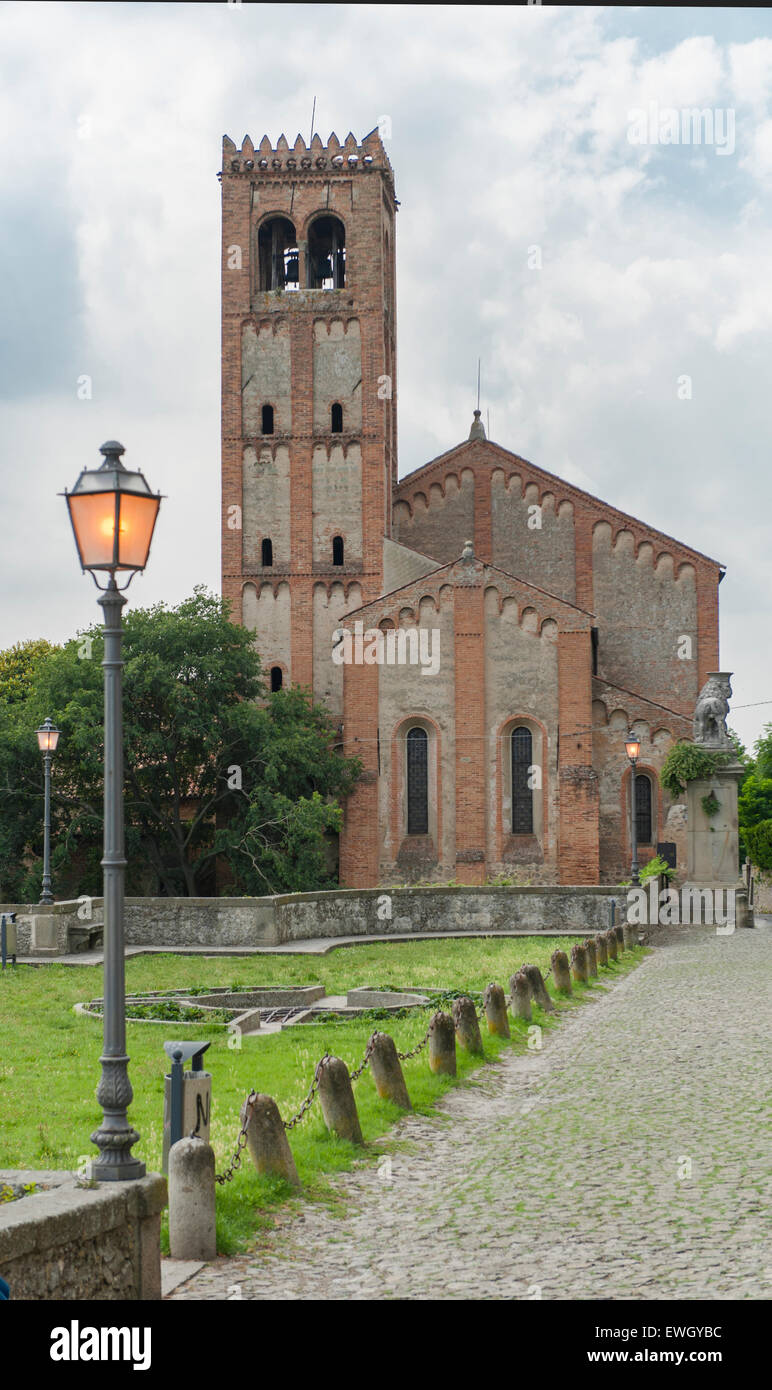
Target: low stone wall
[[186, 922], [401, 911], [74, 1242]]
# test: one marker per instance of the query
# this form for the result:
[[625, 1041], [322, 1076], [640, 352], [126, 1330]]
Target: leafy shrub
[[654, 868], [687, 761], [758, 842]]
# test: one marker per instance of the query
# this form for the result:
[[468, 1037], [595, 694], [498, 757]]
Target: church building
[[483, 633]]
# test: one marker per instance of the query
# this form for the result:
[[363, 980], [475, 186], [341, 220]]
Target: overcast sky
[[509, 131]]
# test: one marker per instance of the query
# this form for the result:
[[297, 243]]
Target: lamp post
[[113, 515], [633, 748], [48, 737]]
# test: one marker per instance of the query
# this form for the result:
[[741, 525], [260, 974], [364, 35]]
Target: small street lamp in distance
[[48, 737], [633, 748], [113, 515]]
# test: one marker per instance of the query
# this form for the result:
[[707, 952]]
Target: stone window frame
[[399, 780], [539, 747], [642, 770]]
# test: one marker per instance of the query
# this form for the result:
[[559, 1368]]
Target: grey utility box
[[187, 1095]]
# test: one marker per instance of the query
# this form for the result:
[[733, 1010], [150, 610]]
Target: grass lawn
[[49, 1057]]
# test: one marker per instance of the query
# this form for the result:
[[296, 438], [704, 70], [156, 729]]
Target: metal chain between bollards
[[241, 1141], [309, 1100], [235, 1162], [405, 1056], [355, 1075]]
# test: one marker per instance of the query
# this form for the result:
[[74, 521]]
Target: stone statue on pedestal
[[712, 822], [711, 711]]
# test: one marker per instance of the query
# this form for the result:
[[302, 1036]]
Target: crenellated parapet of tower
[[349, 157]]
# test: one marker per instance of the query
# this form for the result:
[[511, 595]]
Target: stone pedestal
[[713, 853], [713, 844]]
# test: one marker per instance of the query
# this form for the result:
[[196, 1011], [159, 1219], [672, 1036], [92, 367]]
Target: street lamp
[[633, 748], [48, 737], [113, 515]]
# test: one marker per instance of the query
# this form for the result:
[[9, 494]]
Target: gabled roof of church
[[429, 584], [478, 450]]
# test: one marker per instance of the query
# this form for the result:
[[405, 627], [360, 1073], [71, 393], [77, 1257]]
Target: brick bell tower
[[309, 448]]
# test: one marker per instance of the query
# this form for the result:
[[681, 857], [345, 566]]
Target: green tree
[[212, 763], [18, 666], [758, 843]]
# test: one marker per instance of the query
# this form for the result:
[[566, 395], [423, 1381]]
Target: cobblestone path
[[630, 1159]]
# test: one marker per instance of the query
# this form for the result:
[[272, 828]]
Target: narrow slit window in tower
[[266, 421], [336, 418], [267, 549], [337, 550], [277, 677]]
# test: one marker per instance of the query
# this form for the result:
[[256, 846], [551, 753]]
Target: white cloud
[[509, 130]]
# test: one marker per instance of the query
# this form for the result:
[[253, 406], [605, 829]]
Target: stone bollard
[[538, 990], [337, 1100], [560, 972], [442, 1044], [192, 1233], [631, 935], [495, 1006], [387, 1072], [466, 1025], [619, 933], [601, 946], [592, 956], [579, 967], [520, 991], [611, 943], [267, 1140]]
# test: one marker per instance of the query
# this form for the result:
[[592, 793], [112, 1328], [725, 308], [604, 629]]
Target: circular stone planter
[[251, 1010]]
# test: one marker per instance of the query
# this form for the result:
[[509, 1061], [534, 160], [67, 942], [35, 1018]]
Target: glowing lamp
[[48, 737], [113, 515], [632, 747]]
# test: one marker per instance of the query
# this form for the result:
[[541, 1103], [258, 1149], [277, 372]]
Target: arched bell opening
[[277, 255], [326, 254]]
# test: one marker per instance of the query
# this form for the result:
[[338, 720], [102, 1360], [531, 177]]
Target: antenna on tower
[[478, 383], [313, 113]]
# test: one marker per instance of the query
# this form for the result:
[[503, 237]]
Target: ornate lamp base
[[115, 1136]]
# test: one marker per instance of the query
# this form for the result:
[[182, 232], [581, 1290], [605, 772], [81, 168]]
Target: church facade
[[483, 633]]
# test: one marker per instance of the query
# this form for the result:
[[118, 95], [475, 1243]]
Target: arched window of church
[[336, 419], [267, 552], [326, 254], [337, 550], [522, 793], [643, 826], [277, 677], [266, 419], [277, 255], [417, 782]]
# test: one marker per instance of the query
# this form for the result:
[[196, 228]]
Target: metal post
[[175, 1097], [3, 940], [46, 895], [114, 1137], [633, 826]]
